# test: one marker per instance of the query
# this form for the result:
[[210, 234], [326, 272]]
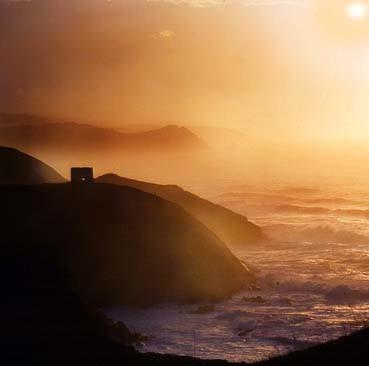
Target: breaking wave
[[313, 275], [315, 234]]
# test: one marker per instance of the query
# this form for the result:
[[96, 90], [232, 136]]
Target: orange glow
[[357, 10], [285, 76]]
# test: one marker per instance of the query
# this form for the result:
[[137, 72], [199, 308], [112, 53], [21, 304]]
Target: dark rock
[[286, 301], [244, 332], [204, 309], [255, 299]]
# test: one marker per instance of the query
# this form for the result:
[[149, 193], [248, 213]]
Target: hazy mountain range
[[32, 133]]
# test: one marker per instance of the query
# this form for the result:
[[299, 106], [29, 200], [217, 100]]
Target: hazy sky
[[283, 68]]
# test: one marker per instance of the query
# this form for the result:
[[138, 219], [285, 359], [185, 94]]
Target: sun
[[357, 10]]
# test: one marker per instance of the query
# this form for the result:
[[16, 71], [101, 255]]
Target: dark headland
[[17, 167], [232, 228], [69, 249], [122, 245], [46, 321]]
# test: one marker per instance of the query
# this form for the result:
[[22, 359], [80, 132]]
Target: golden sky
[[285, 68]]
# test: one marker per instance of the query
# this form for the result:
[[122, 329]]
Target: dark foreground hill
[[351, 350], [46, 322], [19, 168], [232, 228], [121, 245]]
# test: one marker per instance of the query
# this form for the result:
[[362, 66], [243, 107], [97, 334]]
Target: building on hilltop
[[82, 175]]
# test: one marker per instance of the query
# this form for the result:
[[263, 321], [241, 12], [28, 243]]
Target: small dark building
[[82, 175]]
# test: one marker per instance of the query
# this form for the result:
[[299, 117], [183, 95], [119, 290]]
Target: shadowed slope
[[19, 168], [45, 322], [122, 245], [232, 228], [350, 350]]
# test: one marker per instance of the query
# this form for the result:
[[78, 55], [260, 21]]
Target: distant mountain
[[121, 245], [13, 119], [19, 168], [38, 135], [232, 228], [299, 191]]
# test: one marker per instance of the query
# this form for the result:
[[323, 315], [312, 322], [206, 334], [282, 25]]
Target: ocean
[[313, 280]]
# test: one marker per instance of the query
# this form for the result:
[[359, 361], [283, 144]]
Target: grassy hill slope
[[121, 245], [19, 168], [232, 228]]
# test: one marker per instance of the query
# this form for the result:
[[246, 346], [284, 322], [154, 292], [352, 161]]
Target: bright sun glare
[[357, 10]]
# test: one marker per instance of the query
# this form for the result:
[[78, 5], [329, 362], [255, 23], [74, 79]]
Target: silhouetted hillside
[[231, 227], [45, 321], [37, 135], [19, 168], [351, 350], [11, 119], [122, 245]]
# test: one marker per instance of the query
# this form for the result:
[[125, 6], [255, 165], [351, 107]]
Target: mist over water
[[313, 274], [268, 92]]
